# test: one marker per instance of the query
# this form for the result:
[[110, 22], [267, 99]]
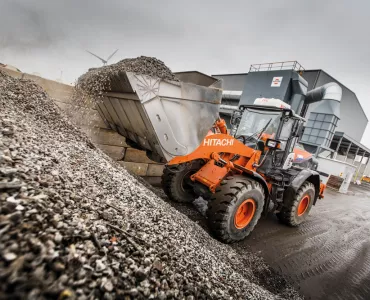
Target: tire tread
[[287, 214], [224, 199]]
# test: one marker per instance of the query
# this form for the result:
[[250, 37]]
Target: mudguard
[[299, 179], [257, 177]]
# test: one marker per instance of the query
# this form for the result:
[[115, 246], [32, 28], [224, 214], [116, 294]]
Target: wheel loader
[[249, 174], [255, 167]]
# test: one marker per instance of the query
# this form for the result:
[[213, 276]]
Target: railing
[[284, 65]]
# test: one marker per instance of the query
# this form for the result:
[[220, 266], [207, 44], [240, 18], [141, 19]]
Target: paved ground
[[328, 257], [359, 190]]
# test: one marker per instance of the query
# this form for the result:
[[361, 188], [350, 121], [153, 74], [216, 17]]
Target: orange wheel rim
[[303, 205], [244, 213]]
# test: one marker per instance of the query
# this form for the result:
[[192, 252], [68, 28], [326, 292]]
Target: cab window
[[286, 132]]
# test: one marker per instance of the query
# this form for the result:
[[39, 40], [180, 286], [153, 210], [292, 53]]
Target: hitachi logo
[[218, 142]]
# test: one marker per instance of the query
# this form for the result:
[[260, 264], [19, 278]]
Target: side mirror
[[273, 144], [234, 121], [235, 117]]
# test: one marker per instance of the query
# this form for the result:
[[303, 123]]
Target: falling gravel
[[76, 225], [95, 81]]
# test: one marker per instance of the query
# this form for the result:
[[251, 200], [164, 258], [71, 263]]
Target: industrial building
[[333, 137]]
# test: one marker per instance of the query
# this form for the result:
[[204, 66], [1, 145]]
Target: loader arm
[[218, 143]]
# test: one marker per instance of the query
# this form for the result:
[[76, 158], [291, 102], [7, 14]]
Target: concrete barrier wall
[[340, 173], [85, 115]]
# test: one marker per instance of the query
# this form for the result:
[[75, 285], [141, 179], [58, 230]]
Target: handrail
[[282, 65]]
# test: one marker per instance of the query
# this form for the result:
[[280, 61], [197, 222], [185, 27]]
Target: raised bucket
[[166, 118]]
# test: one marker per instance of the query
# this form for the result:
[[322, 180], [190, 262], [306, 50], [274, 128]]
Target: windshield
[[258, 122]]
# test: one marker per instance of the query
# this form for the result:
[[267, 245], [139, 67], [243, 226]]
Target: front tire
[[176, 182], [299, 207], [235, 208]]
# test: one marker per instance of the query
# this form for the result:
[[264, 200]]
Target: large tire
[[299, 206], [176, 182], [235, 208]]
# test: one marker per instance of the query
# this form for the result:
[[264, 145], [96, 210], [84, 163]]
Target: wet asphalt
[[327, 257]]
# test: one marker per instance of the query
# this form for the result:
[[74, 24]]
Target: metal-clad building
[[344, 145], [353, 119], [233, 82]]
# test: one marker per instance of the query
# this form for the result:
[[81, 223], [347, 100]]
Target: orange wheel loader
[[255, 168], [249, 173]]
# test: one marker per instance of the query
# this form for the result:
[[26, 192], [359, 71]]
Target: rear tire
[[299, 206], [176, 182], [235, 208]]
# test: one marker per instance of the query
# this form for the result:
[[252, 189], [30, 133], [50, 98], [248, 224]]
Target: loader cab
[[259, 123]]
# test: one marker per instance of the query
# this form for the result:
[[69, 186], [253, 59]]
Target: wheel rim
[[186, 181], [303, 205], [244, 214]]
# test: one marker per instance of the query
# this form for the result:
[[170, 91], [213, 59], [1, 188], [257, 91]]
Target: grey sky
[[48, 37]]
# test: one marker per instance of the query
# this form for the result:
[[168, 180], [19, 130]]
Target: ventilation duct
[[323, 119], [330, 94]]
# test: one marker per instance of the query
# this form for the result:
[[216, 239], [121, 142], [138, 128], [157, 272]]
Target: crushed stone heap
[[76, 225], [98, 80]]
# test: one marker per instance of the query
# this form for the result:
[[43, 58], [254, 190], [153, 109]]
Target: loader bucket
[[166, 118]]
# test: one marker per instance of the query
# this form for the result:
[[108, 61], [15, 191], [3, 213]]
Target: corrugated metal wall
[[311, 77], [233, 82]]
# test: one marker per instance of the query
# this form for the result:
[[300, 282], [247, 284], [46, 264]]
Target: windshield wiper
[[264, 128], [260, 132]]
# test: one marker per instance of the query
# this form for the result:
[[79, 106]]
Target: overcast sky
[[50, 37]]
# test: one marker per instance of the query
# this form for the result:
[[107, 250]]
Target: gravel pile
[[97, 80], [76, 225]]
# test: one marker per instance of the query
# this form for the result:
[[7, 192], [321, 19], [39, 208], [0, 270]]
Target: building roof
[[230, 74], [352, 141]]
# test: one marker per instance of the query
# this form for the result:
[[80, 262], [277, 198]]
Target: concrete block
[[104, 136], [115, 152], [134, 155], [60, 91], [154, 181], [139, 169], [155, 170]]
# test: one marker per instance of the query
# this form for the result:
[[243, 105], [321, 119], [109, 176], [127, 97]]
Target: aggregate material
[[97, 80], [76, 225]]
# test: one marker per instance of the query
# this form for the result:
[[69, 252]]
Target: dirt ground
[[328, 257]]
